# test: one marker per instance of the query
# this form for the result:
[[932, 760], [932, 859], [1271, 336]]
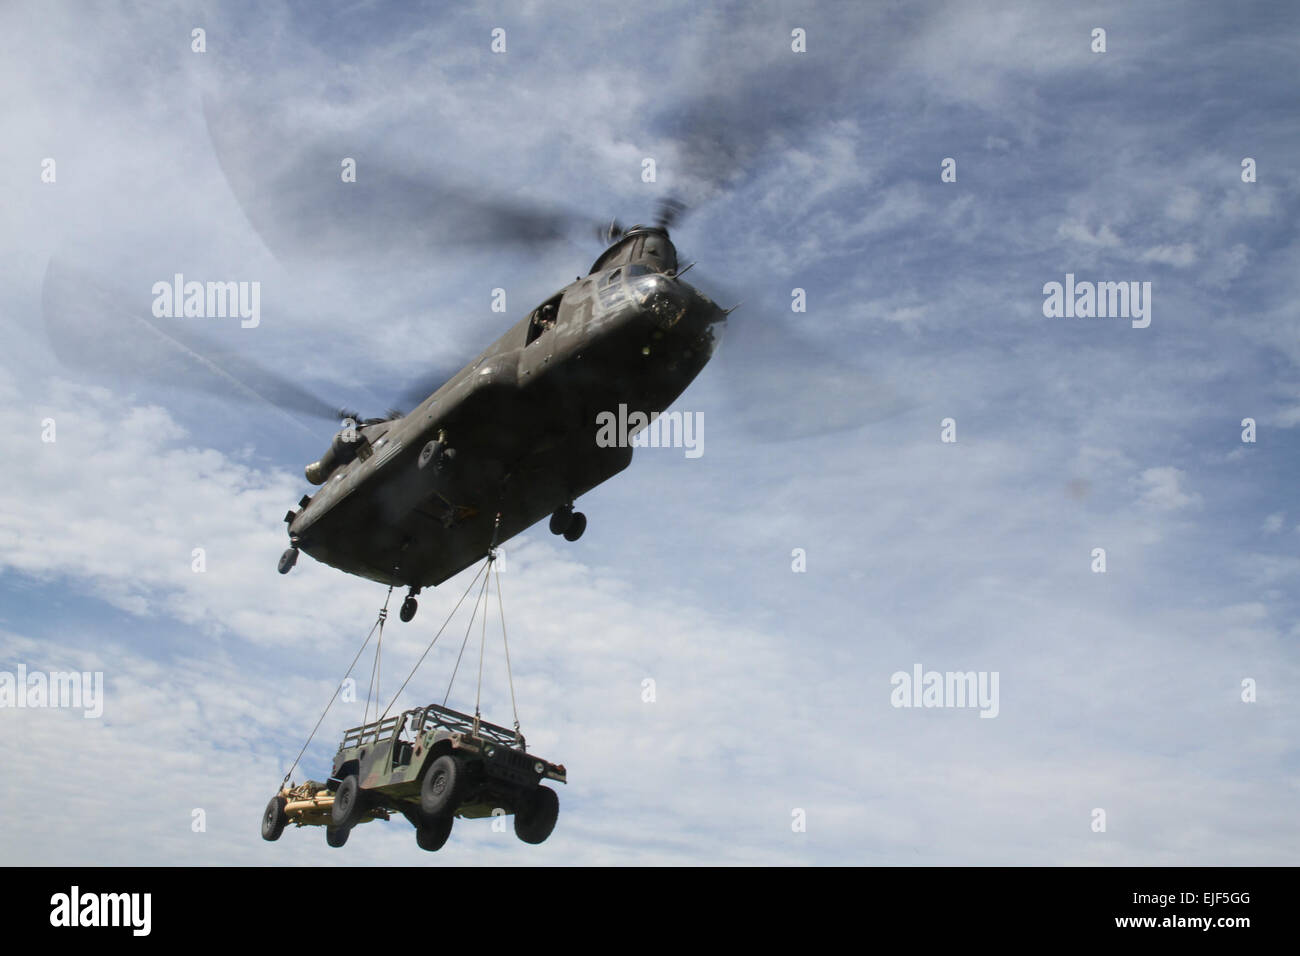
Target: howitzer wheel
[[536, 814], [336, 836], [273, 819]]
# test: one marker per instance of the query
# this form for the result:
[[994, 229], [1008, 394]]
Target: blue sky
[[820, 171]]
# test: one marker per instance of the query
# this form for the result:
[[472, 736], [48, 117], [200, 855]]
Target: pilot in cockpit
[[546, 317]]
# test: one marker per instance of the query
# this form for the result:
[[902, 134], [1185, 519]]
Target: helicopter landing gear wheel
[[409, 607], [576, 527], [569, 523], [436, 453], [430, 452], [288, 560], [561, 520]]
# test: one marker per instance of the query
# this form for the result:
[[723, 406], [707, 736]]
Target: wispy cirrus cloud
[[1121, 689]]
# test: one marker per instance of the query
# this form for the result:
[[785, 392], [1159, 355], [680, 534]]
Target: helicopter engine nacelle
[[342, 449]]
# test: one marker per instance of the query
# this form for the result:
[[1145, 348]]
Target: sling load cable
[[378, 625], [433, 642], [496, 572], [491, 560], [373, 688], [506, 644], [482, 643], [463, 643], [483, 598]]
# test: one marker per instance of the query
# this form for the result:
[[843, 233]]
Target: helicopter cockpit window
[[658, 248], [611, 289], [639, 269]]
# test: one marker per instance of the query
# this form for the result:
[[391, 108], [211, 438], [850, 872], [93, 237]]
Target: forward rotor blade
[[721, 132], [291, 188], [669, 212], [781, 385]]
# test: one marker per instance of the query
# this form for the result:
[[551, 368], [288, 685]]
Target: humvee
[[430, 764]]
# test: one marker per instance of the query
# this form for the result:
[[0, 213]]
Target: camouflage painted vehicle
[[430, 764]]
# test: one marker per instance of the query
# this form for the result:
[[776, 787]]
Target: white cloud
[[1180, 256], [773, 686], [1184, 205], [1226, 265], [1162, 489], [1076, 231], [1288, 417], [906, 314]]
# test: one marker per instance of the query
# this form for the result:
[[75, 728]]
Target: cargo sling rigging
[[490, 567]]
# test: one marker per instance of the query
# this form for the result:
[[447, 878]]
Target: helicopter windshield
[[657, 247], [613, 256]]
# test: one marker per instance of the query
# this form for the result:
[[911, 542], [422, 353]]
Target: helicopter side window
[[542, 320]]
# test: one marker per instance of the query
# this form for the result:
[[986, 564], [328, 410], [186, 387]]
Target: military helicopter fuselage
[[413, 500]]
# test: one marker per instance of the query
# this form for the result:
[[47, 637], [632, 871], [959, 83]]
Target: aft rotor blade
[[97, 329], [415, 393]]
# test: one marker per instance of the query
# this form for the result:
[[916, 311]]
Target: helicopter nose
[[663, 298]]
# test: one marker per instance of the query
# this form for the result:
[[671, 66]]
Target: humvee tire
[[440, 789], [433, 835], [347, 803], [535, 815], [336, 836], [274, 819]]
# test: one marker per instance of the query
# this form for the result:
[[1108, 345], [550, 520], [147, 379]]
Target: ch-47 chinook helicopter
[[411, 499], [512, 436]]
